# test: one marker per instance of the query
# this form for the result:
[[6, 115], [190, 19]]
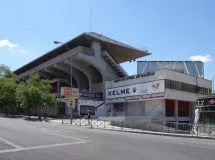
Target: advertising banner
[[97, 95], [75, 91], [72, 101], [65, 91], [136, 89]]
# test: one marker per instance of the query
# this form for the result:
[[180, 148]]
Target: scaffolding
[[206, 106]]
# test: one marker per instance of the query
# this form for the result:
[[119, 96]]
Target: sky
[[169, 29]]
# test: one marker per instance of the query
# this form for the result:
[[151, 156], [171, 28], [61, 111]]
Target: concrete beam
[[44, 75], [71, 53], [58, 74], [76, 74], [82, 69], [63, 68]]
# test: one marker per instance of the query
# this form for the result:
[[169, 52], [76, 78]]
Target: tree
[[7, 88], [34, 92]]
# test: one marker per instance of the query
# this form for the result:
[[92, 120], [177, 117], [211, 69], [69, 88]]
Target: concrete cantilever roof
[[119, 51]]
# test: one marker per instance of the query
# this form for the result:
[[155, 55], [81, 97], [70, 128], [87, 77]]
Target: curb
[[160, 134]]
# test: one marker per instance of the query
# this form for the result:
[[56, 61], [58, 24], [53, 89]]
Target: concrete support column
[[176, 110], [90, 86], [191, 111], [71, 77], [126, 109], [96, 46]]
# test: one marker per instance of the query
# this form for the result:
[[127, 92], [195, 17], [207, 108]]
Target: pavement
[[32, 140]]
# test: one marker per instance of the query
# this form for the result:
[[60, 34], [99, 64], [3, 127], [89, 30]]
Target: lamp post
[[58, 42], [67, 47]]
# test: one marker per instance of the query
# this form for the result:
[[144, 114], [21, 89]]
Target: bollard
[[91, 125], [71, 120], [197, 128], [210, 132], [164, 125]]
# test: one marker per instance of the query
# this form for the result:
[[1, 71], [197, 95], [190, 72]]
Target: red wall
[[170, 108], [183, 108]]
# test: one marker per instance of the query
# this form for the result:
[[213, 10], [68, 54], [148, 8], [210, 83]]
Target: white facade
[[164, 94]]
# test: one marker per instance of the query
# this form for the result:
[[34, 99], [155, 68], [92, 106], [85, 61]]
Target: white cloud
[[7, 43], [23, 51], [206, 58], [11, 46]]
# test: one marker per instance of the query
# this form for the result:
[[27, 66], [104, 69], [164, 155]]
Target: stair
[[112, 63]]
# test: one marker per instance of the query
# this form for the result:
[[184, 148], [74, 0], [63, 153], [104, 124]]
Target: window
[[186, 87], [203, 90], [170, 108]]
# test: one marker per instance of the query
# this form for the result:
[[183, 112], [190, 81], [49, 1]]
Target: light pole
[[67, 47]]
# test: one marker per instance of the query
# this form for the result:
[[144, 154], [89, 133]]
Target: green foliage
[[33, 92], [28, 94], [6, 73], [7, 87]]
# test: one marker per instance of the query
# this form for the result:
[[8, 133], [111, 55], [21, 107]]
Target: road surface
[[27, 140]]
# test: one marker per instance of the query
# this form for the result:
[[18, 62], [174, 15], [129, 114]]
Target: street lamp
[[58, 42], [67, 47]]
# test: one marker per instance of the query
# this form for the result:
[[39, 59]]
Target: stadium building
[[86, 73], [84, 63]]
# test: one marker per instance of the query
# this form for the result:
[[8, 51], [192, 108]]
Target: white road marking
[[40, 147], [65, 136], [10, 143]]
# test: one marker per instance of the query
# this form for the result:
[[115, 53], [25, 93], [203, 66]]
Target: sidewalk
[[105, 125]]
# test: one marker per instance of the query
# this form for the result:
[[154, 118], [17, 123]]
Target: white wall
[[155, 108], [163, 74], [180, 95], [135, 108]]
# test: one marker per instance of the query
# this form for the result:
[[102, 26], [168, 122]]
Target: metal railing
[[148, 126]]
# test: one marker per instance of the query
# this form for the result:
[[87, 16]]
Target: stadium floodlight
[[58, 42]]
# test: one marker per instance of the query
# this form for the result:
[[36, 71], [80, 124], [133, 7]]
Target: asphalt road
[[26, 140]]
